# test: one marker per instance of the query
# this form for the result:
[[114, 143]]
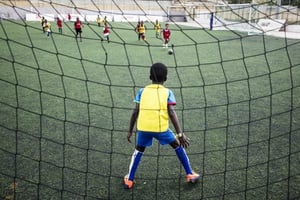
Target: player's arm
[[133, 119], [184, 141]]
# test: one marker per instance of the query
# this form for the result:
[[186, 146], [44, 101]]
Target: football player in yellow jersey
[[154, 108], [43, 23], [47, 28], [105, 20], [157, 29], [141, 31], [98, 20]]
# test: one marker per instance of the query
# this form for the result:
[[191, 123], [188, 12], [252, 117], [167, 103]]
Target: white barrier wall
[[52, 17], [293, 28], [270, 24], [37, 17], [92, 18]]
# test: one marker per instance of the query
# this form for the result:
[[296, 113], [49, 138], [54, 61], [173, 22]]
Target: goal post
[[179, 13], [253, 18]]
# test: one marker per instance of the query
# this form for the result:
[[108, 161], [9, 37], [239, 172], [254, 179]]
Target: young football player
[[59, 24], [47, 28], [157, 29], [166, 32], [141, 31], [77, 27], [106, 32], [154, 108]]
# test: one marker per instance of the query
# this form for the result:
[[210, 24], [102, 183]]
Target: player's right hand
[[129, 136]]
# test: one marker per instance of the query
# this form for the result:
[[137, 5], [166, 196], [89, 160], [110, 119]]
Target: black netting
[[65, 104]]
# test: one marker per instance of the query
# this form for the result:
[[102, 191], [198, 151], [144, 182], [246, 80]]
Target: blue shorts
[[145, 138]]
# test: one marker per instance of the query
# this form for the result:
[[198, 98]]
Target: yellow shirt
[[157, 27], [104, 20], [47, 26], [153, 109], [142, 29], [98, 20]]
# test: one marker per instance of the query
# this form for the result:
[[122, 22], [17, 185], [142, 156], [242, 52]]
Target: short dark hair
[[158, 72]]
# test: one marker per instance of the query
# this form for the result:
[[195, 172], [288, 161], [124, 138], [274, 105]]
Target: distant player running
[[59, 24], [157, 29], [137, 29], [77, 27], [166, 32], [105, 20], [98, 20], [43, 23], [141, 30], [47, 28], [106, 32]]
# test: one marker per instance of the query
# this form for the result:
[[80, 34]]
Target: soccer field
[[65, 107]]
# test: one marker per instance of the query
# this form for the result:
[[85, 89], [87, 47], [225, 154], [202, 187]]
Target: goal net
[[67, 95], [253, 18]]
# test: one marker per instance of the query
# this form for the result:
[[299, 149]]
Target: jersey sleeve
[[138, 96], [171, 98]]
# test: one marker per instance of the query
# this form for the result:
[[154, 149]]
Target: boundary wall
[[115, 10]]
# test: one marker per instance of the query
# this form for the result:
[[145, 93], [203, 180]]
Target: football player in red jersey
[[59, 24], [78, 26], [106, 31], [166, 32]]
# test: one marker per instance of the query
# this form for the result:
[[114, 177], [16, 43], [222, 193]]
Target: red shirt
[[77, 24], [166, 33], [106, 30], [59, 23]]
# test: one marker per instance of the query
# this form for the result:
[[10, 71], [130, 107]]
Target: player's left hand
[[184, 141]]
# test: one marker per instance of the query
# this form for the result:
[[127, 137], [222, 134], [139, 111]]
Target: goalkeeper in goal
[[154, 107]]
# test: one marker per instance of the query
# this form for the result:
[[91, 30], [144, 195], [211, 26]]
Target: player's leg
[[166, 43], [182, 156], [80, 31], [106, 36], [135, 160], [169, 138], [76, 33], [134, 163], [144, 140], [191, 176], [143, 37]]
